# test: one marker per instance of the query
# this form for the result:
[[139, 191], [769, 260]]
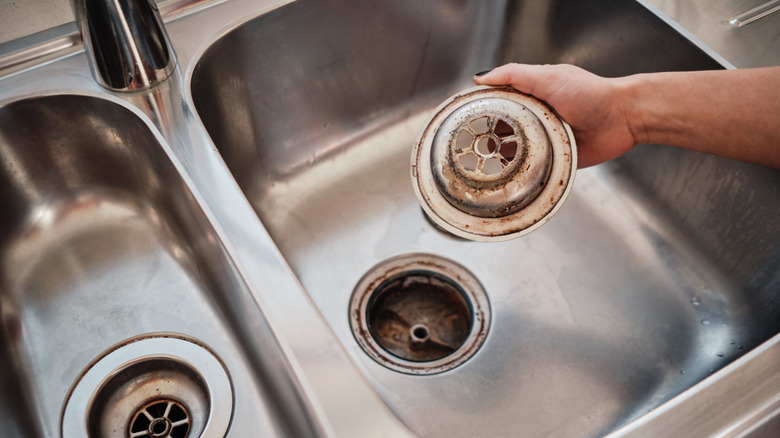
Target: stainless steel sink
[[211, 230], [140, 292], [658, 272], [103, 246]]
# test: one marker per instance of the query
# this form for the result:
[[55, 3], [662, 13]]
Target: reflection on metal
[[102, 241], [126, 42], [738, 33], [493, 164], [593, 317], [756, 13], [598, 318]]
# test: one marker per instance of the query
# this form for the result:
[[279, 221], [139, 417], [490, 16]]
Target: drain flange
[[419, 314], [151, 387]]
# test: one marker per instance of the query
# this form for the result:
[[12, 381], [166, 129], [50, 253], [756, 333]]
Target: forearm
[[734, 113]]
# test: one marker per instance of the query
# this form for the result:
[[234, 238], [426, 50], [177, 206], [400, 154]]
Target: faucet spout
[[126, 43]]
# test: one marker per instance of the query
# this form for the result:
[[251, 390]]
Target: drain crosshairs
[[160, 419], [485, 146]]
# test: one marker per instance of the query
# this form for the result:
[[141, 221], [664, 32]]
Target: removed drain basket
[[493, 164], [419, 314]]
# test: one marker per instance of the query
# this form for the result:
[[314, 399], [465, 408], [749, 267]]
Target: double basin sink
[[213, 230]]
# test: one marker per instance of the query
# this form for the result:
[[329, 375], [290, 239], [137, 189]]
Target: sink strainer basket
[[493, 164]]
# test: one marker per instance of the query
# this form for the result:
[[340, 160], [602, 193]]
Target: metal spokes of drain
[[485, 146], [160, 419]]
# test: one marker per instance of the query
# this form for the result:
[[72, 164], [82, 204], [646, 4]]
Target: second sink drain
[[161, 418], [419, 314], [163, 386]]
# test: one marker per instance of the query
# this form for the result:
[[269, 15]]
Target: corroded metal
[[493, 164], [419, 314]]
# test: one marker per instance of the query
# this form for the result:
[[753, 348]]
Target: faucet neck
[[126, 43]]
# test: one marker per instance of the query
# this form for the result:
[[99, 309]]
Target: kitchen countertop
[[20, 18]]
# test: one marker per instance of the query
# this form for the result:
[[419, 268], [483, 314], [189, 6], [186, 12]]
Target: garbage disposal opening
[[419, 314]]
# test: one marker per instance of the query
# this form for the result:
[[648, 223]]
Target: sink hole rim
[[173, 347], [470, 287]]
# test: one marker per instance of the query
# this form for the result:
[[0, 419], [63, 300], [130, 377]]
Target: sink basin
[[658, 271], [105, 251]]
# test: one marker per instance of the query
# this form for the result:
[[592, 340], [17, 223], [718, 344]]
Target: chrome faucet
[[126, 43]]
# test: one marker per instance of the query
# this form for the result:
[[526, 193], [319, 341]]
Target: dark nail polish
[[483, 73]]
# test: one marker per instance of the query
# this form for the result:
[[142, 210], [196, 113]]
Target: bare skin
[[731, 113]]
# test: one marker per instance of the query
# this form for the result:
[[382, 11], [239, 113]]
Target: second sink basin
[[655, 274], [112, 275]]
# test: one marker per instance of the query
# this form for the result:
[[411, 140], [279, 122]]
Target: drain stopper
[[493, 164]]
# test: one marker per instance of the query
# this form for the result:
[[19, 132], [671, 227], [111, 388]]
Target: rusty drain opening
[[419, 314], [419, 334]]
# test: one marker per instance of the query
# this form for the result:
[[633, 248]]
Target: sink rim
[[81, 86]]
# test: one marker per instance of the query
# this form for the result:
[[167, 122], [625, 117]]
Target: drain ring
[[419, 314], [114, 390]]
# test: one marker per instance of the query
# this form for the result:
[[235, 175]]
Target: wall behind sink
[[20, 18]]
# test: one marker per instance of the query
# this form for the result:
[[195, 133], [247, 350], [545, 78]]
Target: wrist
[[633, 101]]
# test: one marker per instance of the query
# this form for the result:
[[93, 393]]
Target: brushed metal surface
[[654, 275], [744, 40], [102, 242], [656, 279], [20, 19], [126, 43], [291, 380]]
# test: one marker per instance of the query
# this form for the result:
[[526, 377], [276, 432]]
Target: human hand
[[593, 106]]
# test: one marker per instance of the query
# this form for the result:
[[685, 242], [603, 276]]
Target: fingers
[[542, 81], [586, 101], [522, 77]]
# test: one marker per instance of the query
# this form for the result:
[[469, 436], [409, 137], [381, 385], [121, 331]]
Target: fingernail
[[483, 73]]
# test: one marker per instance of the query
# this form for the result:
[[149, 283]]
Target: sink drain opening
[[419, 314], [162, 386], [160, 418], [419, 334], [152, 398]]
